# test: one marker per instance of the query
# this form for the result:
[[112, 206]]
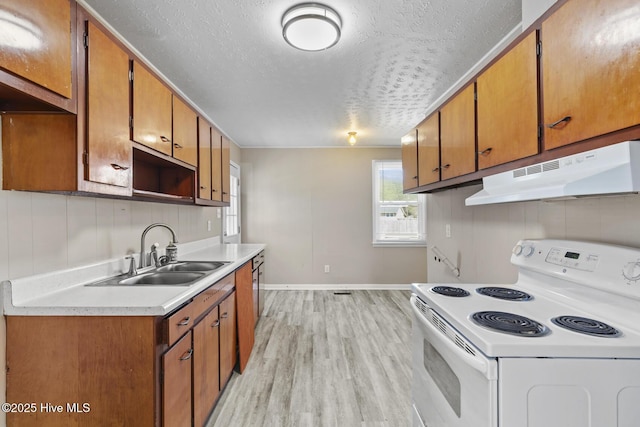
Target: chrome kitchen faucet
[[144, 234]]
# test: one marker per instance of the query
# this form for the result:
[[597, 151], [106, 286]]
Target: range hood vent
[[614, 169]]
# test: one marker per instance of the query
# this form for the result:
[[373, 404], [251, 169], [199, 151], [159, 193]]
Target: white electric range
[[510, 355]]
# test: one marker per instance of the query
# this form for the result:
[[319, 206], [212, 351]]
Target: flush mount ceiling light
[[352, 138], [311, 26]]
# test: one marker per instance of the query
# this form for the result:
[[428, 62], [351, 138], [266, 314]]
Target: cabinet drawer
[[180, 322], [212, 295], [258, 260]]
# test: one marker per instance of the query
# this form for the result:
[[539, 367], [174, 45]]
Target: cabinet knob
[[185, 321], [187, 355], [562, 121], [435, 169], [119, 167], [164, 138], [203, 187], [213, 190], [215, 324], [224, 315], [447, 166], [415, 177], [485, 152], [176, 145]]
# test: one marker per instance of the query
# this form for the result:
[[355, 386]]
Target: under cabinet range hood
[[613, 169]]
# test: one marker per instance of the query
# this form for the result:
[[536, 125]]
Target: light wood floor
[[322, 359]]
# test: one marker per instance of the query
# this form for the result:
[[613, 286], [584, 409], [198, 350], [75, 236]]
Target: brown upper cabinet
[[429, 150], [90, 152], [108, 146], [409, 160], [151, 111], [226, 172], [590, 70], [185, 132], [216, 165], [507, 106], [41, 51], [204, 159], [458, 135]]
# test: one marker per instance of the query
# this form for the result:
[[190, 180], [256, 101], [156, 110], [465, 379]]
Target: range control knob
[[517, 250], [631, 271], [528, 251]]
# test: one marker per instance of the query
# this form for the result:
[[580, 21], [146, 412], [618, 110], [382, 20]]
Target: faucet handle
[[132, 266]]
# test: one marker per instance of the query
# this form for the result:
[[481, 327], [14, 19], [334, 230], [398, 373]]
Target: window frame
[[421, 238]]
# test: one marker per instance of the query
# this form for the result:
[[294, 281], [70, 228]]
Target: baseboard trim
[[337, 287]]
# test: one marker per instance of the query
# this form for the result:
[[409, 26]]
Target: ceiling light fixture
[[352, 138], [311, 26]]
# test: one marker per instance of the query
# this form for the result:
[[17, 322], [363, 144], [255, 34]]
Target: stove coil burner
[[509, 323], [587, 326], [450, 291], [504, 293]]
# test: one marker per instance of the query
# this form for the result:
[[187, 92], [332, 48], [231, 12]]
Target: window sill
[[419, 244]]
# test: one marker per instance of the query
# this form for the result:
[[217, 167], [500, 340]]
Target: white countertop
[[63, 293]]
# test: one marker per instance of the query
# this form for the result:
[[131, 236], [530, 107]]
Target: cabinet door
[[37, 45], [260, 289], [409, 160], [457, 135], [185, 132], [176, 387], [429, 150], [227, 338], [590, 70], [226, 173], [206, 365], [216, 165], [151, 111], [108, 144], [508, 106], [204, 159], [245, 313], [256, 295]]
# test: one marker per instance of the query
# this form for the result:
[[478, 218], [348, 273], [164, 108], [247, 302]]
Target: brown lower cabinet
[[123, 370]]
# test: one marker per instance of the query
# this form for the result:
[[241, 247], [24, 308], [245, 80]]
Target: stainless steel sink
[[206, 266], [155, 278]]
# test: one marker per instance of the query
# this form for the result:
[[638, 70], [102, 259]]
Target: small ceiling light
[[352, 138], [311, 26]]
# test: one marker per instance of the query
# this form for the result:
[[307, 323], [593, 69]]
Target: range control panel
[[573, 259], [607, 267]]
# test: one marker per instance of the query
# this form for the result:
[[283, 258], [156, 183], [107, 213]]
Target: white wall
[[533, 9], [482, 236], [313, 207]]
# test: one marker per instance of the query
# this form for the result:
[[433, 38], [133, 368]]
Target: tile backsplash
[[42, 232], [482, 236]]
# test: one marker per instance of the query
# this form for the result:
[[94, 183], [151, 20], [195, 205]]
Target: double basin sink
[[181, 273]]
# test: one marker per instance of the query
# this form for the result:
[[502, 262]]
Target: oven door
[[454, 384]]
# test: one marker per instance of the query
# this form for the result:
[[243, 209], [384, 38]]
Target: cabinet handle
[[224, 192], [415, 177], [564, 120], [185, 321], [215, 324], [485, 152], [187, 355], [213, 190], [203, 187], [224, 315], [260, 273], [119, 167], [446, 166], [435, 169], [164, 138], [176, 145]]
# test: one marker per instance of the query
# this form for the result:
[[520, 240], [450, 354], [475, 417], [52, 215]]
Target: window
[[398, 219], [231, 224]]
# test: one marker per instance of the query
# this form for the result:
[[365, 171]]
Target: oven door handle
[[477, 362]]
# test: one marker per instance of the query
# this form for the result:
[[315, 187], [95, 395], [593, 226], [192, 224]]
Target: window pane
[[398, 217]]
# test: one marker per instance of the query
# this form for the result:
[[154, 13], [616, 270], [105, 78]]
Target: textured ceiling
[[395, 58]]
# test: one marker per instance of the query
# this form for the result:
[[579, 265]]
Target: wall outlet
[[327, 268], [209, 225], [447, 230]]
